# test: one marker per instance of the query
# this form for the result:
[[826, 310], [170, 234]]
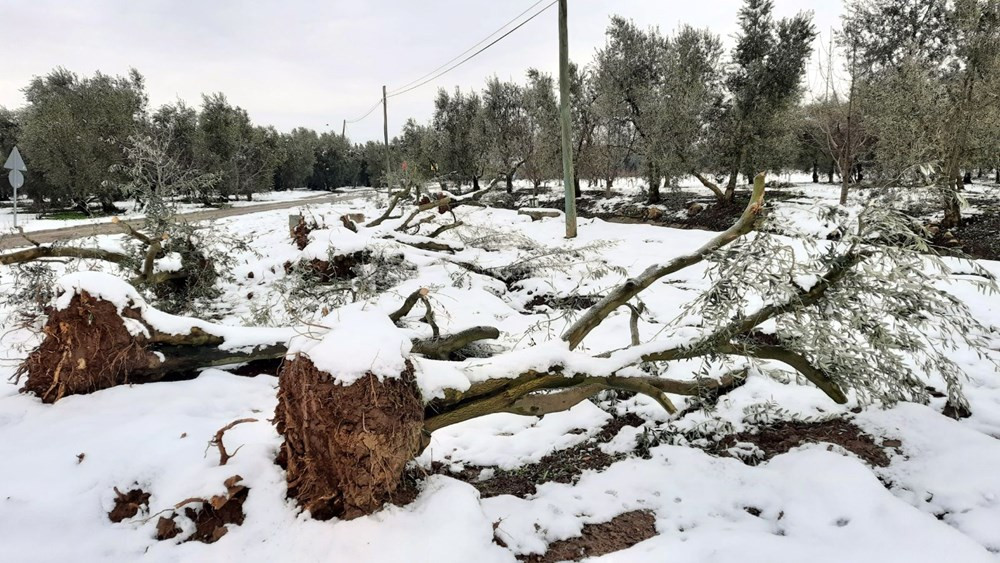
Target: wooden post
[[385, 132], [567, 134]]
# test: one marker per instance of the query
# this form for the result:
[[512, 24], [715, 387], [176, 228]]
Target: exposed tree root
[[225, 456]]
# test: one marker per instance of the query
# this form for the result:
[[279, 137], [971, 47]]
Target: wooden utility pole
[[385, 132], [343, 129], [567, 134]]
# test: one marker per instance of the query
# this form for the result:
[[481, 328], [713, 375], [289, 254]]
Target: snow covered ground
[[937, 500]]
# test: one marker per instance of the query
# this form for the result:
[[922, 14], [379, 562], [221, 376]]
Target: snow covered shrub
[[312, 286], [33, 289]]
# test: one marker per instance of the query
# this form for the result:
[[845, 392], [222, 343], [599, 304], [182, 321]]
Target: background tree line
[[919, 106]]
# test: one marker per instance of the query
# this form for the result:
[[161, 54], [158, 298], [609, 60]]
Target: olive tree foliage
[[461, 136], [666, 89], [73, 130], [416, 150], [543, 158], [298, 148], [691, 96], [336, 163], [630, 69], [873, 317], [903, 109], [584, 121], [177, 124], [763, 81], [507, 129], [947, 50], [243, 155]]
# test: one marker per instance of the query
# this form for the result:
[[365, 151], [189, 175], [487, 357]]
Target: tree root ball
[[86, 348], [346, 447]]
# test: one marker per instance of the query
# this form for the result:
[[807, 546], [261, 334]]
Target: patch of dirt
[[128, 504], [86, 348], [575, 302], [621, 532], [340, 267], [980, 234], [210, 517], [563, 466], [346, 447], [781, 437]]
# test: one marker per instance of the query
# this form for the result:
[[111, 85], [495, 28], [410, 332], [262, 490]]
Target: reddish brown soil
[[346, 447], [980, 234], [86, 348], [341, 267], [781, 437], [128, 504], [622, 532], [564, 466]]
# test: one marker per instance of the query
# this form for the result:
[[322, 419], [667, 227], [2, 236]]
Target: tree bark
[[653, 177]]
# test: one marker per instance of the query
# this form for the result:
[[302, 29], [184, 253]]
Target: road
[[68, 233]]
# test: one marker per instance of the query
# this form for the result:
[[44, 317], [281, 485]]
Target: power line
[[470, 57], [435, 74], [367, 113], [463, 53]]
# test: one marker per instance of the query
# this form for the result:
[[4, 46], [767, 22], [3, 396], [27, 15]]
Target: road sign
[[16, 166], [15, 162]]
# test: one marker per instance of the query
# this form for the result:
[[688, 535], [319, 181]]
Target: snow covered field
[[937, 500]]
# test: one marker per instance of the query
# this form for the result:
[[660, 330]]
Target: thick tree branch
[[408, 304], [632, 287], [393, 202], [61, 252], [719, 194], [441, 347]]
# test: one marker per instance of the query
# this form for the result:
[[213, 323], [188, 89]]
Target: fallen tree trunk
[[38, 252]]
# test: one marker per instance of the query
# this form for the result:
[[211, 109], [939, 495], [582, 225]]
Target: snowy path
[[107, 228]]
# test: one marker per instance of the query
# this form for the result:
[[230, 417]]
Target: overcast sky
[[313, 63]]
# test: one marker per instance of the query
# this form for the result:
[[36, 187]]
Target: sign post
[[16, 166]]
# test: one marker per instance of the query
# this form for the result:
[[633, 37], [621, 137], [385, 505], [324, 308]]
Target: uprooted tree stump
[[346, 446], [91, 344], [87, 347]]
